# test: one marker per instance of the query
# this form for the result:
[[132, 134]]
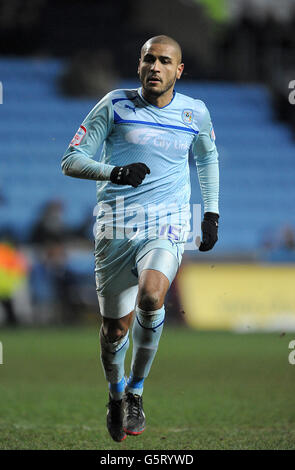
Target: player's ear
[[179, 71], [139, 62]]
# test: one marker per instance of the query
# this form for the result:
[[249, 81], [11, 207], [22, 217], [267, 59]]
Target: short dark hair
[[162, 39]]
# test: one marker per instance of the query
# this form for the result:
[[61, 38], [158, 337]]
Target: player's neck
[[159, 101]]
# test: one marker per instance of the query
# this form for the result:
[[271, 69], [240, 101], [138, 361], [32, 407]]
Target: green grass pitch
[[206, 390]]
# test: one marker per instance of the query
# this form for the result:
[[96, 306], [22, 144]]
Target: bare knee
[[113, 334], [149, 300], [116, 329], [153, 286]]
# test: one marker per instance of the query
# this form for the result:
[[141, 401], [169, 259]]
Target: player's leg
[[114, 343], [148, 325], [147, 330], [157, 270], [116, 289]]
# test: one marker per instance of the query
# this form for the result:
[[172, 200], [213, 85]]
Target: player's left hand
[[209, 231]]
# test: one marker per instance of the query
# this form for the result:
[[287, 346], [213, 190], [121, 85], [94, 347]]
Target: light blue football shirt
[[133, 130]]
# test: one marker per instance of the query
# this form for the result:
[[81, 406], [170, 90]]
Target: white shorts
[[118, 263]]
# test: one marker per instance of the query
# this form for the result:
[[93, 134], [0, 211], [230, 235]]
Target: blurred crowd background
[[57, 59]]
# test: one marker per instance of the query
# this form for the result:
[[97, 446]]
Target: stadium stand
[[256, 154]]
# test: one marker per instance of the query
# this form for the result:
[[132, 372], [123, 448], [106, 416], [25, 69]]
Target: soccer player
[[147, 134]]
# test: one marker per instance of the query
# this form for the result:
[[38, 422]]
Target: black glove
[[209, 231], [133, 174]]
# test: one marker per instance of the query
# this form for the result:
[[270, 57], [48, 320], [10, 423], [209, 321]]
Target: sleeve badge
[[212, 134], [80, 134]]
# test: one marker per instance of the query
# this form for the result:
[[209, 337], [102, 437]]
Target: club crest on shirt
[[187, 116], [81, 132]]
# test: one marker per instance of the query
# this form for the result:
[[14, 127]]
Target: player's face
[[159, 68]]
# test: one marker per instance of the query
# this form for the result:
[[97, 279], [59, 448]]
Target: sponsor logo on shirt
[[77, 139], [187, 116], [157, 138]]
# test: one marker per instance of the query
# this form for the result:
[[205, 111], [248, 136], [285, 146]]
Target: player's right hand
[[132, 174]]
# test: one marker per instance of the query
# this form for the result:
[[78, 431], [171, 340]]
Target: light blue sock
[[147, 330], [117, 389], [112, 358]]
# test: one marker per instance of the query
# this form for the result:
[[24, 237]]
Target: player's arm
[[78, 159], [206, 157]]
